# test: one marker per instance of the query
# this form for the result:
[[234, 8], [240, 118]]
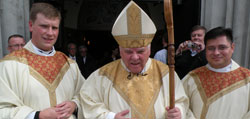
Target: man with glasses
[[220, 89], [72, 51], [15, 42]]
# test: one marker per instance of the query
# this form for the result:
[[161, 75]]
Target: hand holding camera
[[188, 45], [193, 46]]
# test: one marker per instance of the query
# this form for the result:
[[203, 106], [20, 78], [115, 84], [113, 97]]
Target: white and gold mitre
[[133, 28]]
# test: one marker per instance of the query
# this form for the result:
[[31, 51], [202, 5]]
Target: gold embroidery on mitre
[[141, 91], [134, 37], [134, 20], [134, 41]]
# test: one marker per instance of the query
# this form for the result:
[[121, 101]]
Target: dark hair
[[217, 32], [198, 27], [71, 44], [165, 37], [46, 9], [14, 36], [82, 46]]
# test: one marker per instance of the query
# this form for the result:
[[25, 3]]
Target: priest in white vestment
[[221, 89], [38, 82]]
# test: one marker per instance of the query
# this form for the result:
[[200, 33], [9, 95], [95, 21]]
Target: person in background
[[191, 54], [110, 56], [220, 89], [15, 42], [115, 54], [161, 55], [72, 49], [38, 82], [134, 86], [86, 62]]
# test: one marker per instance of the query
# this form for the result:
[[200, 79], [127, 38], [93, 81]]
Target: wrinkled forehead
[[72, 46], [16, 40], [134, 49], [83, 49], [198, 31], [219, 40]]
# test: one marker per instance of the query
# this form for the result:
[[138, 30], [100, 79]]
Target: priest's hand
[[174, 113], [65, 109], [49, 113], [121, 114]]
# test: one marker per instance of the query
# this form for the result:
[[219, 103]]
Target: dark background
[[186, 13]]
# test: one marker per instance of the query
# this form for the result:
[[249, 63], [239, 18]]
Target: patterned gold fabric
[[141, 90], [214, 85], [48, 70], [131, 41], [133, 28], [48, 67], [214, 82], [134, 20]]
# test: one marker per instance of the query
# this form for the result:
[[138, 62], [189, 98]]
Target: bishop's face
[[135, 58]]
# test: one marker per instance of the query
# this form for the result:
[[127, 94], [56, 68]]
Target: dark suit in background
[[185, 63], [87, 64]]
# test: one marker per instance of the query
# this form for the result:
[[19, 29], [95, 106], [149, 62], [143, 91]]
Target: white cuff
[[111, 115], [31, 115]]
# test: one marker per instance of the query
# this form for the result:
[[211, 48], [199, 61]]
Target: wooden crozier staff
[[168, 13]]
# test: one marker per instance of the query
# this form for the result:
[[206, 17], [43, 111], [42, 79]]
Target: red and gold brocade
[[48, 67], [216, 82]]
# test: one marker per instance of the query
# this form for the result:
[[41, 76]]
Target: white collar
[[224, 69], [42, 52], [72, 56]]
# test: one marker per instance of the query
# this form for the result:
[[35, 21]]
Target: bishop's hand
[[174, 113]]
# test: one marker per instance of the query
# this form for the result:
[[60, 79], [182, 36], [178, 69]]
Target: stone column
[[14, 20], [1, 43]]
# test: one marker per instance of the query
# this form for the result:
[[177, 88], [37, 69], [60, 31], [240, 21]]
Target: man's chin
[[135, 70]]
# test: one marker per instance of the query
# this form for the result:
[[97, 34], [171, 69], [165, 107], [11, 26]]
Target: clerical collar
[[224, 69], [42, 52], [72, 57]]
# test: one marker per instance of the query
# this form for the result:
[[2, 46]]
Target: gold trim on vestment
[[50, 87], [209, 100], [18, 59], [23, 55], [202, 94], [16, 56], [141, 91]]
